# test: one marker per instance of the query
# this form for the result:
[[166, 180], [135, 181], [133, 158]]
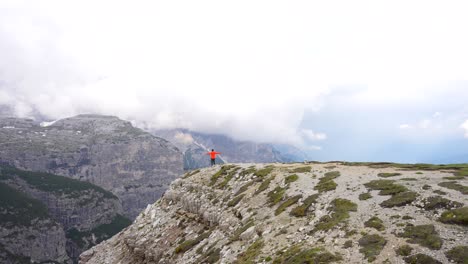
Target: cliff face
[[296, 213], [71, 209], [27, 233], [134, 165]]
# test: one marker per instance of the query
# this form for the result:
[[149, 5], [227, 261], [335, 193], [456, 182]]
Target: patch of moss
[[249, 170], [211, 256], [408, 179], [458, 254], [301, 210], [222, 172], [456, 216], [291, 178], [375, 222], [276, 195], [264, 172], [290, 201], [302, 169], [348, 244], [421, 259], [365, 196], [388, 174], [404, 250], [228, 178], [371, 246], [252, 252], [407, 217], [326, 183], [455, 186], [438, 202], [424, 235], [244, 188], [400, 199], [426, 187], [190, 174], [419, 172], [340, 209], [386, 187], [298, 255], [439, 192], [454, 178], [265, 184], [235, 200]]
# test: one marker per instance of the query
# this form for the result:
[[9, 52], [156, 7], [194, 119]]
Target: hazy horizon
[[357, 81]]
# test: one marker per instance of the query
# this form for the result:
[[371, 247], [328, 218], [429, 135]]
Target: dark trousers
[[213, 162]]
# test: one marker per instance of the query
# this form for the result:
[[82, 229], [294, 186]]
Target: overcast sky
[[341, 79]]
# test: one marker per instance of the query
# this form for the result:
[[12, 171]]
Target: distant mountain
[[50, 218], [134, 165], [194, 145]]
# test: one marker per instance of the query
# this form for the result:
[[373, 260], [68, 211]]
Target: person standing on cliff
[[213, 154]]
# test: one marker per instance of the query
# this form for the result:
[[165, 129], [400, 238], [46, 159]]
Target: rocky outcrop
[[75, 211], [135, 166], [296, 213]]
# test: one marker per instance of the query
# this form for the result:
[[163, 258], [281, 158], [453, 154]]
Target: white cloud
[[313, 136], [424, 124], [313, 147], [248, 69], [183, 138], [437, 114], [465, 127], [404, 126]]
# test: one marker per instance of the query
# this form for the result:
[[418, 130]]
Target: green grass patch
[[326, 183], [454, 186], [438, 202], [439, 192], [365, 196], [264, 172], [189, 244], [290, 201], [302, 169], [388, 174], [228, 178], [421, 259], [408, 179], [458, 254], [386, 187], [252, 252], [375, 222], [456, 216], [371, 246], [222, 172], [301, 210], [298, 255], [235, 200], [276, 195], [244, 188], [190, 174], [265, 184], [400, 199], [340, 209], [424, 235], [291, 178], [404, 250]]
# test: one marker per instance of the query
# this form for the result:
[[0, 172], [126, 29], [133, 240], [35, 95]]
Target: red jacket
[[213, 154]]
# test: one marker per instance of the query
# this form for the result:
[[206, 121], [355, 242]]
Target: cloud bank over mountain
[[252, 70]]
